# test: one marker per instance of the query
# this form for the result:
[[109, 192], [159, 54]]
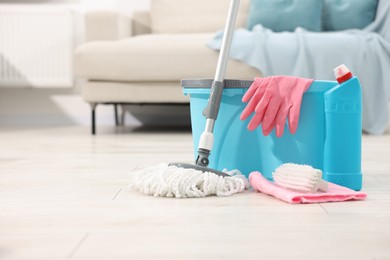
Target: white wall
[[65, 106], [125, 6]]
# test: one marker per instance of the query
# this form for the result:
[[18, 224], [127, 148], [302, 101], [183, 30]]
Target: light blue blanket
[[314, 55]]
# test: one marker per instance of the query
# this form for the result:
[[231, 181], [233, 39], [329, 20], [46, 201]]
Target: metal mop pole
[[212, 108]]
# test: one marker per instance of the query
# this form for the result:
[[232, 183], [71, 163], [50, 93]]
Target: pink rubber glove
[[273, 99]]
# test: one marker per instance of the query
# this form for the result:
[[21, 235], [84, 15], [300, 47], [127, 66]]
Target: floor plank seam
[[322, 207], [73, 252], [117, 193]]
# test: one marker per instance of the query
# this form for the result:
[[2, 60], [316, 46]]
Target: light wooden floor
[[63, 195]]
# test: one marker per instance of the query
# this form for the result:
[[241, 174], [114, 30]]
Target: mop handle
[[211, 111], [227, 41]]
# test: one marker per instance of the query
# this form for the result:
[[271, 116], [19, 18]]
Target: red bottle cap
[[342, 73]]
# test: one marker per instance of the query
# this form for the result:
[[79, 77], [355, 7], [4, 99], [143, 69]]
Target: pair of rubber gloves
[[274, 100]]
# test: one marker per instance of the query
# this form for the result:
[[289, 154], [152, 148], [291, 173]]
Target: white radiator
[[36, 47]]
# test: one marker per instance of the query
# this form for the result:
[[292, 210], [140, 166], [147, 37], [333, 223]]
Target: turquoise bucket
[[235, 147]]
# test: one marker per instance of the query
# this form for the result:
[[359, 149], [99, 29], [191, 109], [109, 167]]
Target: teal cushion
[[348, 14], [285, 15]]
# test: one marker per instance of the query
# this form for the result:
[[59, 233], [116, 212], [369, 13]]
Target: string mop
[[163, 180]]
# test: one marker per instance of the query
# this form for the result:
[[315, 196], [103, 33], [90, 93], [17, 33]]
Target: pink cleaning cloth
[[335, 192]]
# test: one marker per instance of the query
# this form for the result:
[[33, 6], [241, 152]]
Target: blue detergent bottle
[[343, 123]]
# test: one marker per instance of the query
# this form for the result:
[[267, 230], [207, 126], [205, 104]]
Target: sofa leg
[[123, 114], [93, 125], [116, 114]]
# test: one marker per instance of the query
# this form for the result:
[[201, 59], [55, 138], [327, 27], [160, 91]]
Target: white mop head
[[170, 181]]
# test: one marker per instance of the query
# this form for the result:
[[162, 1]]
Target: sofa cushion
[[158, 57], [133, 92], [285, 15], [348, 14], [193, 16]]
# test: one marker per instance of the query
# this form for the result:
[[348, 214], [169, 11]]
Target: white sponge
[[303, 178]]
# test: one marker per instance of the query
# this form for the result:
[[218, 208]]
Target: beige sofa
[[141, 59]]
